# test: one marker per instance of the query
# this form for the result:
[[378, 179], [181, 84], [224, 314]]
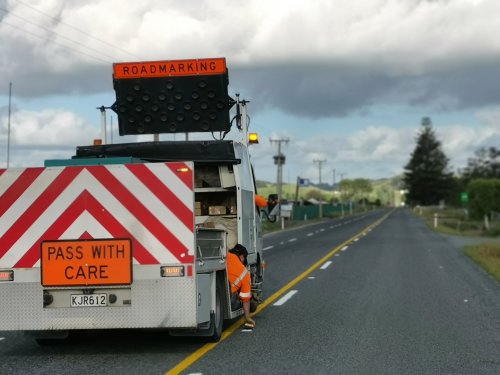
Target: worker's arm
[[246, 310]]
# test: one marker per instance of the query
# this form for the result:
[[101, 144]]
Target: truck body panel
[[150, 204]]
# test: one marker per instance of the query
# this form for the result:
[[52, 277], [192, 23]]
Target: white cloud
[[35, 136], [315, 59]]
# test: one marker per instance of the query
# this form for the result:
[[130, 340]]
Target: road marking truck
[[135, 235]]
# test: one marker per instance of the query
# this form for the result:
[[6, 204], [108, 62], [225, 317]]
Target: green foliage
[[315, 194], [487, 256], [357, 189], [261, 184], [384, 191], [426, 177], [485, 164], [484, 197]]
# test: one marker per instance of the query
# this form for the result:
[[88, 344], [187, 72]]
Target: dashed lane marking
[[326, 265], [267, 248], [310, 234], [2, 338], [311, 277], [322, 230], [285, 298], [292, 240], [344, 248], [196, 355]]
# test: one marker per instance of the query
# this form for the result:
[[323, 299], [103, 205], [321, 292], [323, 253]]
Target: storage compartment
[[215, 202], [210, 243]]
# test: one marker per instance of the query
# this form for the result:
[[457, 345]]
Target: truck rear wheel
[[218, 315], [47, 337]]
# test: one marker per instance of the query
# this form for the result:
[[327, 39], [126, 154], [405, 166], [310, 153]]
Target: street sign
[[464, 197]]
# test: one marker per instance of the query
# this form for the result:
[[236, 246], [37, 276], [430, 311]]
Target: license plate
[[89, 300]]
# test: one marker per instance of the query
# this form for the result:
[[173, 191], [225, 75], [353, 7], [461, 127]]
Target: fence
[[329, 210]]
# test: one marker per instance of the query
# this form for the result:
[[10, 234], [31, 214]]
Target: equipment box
[[217, 210]]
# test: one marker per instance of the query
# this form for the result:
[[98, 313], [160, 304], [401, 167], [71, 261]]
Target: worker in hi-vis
[[239, 278]]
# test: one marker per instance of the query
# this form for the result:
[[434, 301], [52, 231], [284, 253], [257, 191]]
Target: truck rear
[[130, 235]]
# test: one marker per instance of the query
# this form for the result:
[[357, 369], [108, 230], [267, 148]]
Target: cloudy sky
[[346, 81]]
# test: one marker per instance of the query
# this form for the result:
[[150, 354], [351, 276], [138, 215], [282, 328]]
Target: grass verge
[[454, 222], [487, 256]]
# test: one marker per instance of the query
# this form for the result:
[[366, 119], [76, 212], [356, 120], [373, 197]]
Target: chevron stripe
[[12, 185], [162, 192], [36, 207], [184, 177], [101, 201], [115, 228]]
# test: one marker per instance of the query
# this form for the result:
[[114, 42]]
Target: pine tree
[[426, 176]]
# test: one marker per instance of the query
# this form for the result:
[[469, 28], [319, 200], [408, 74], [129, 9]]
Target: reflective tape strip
[[238, 280], [245, 295]]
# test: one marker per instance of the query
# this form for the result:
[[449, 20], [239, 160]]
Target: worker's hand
[[250, 322]]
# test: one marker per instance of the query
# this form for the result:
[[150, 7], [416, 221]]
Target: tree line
[[428, 180]]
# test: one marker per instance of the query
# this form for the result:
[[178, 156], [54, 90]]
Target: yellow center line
[[192, 358]]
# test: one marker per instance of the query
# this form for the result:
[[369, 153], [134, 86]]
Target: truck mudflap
[[102, 246]]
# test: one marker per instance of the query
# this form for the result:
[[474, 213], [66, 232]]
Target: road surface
[[378, 293]]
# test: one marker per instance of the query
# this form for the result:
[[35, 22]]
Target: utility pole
[[341, 196], [333, 172], [320, 165], [8, 126], [279, 160], [104, 130]]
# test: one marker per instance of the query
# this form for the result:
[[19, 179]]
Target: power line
[[55, 33], [53, 41], [77, 29]]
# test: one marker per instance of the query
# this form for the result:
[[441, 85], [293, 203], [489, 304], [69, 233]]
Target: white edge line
[[285, 298]]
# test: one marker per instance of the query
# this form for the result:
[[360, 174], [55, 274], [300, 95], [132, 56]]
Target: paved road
[[399, 299]]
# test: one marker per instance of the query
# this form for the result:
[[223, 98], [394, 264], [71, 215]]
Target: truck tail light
[[6, 275], [172, 271]]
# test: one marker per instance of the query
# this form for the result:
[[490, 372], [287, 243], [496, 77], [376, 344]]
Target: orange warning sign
[[86, 262], [172, 68]]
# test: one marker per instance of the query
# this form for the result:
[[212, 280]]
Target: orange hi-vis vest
[[239, 277]]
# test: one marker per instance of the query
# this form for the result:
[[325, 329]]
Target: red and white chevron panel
[[152, 204]]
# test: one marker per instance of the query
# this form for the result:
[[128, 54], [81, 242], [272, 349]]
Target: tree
[[485, 164], [484, 197], [315, 194], [357, 189], [426, 178]]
